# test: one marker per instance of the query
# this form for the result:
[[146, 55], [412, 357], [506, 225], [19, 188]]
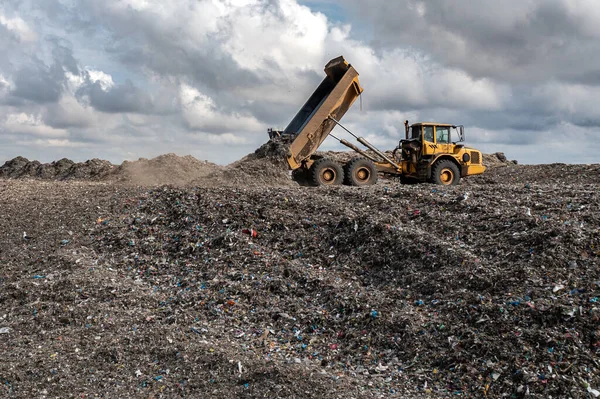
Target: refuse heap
[[64, 169], [385, 291], [164, 169], [497, 159], [267, 166]]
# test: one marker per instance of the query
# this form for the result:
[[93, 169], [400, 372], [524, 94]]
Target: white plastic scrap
[[4, 330], [381, 368], [591, 390], [558, 287]]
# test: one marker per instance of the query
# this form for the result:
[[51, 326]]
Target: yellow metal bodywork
[[433, 150], [334, 96], [332, 99]]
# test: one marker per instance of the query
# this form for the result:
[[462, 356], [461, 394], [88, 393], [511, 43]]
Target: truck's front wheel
[[445, 172], [326, 172]]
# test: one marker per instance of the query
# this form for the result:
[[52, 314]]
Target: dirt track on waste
[[113, 290]]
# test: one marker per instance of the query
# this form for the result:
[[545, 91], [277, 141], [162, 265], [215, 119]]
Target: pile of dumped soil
[[496, 160], [165, 169], [266, 167], [64, 169], [557, 173]]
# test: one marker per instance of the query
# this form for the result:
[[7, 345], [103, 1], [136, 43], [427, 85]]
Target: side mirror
[[461, 132]]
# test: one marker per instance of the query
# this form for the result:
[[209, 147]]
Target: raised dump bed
[[311, 125]]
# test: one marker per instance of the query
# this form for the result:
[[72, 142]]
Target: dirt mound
[[559, 174], [496, 160], [64, 169], [164, 169], [267, 166], [274, 151]]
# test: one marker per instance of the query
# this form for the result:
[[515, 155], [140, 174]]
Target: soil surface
[[240, 287]]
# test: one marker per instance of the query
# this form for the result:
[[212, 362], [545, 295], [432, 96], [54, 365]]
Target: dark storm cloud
[[121, 98], [519, 41], [207, 67], [38, 83], [140, 43], [62, 53], [514, 72]]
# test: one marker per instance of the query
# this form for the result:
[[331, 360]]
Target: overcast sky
[[123, 79]]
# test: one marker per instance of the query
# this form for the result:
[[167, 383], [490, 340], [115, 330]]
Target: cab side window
[[428, 133], [442, 135]]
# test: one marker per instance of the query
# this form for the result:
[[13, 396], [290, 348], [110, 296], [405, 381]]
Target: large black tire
[[445, 172], [326, 172], [360, 172], [301, 176]]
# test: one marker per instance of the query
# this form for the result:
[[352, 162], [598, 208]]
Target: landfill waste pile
[[267, 166], [486, 289], [497, 159], [559, 174], [64, 169], [164, 169]]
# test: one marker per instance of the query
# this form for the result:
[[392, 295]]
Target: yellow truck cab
[[432, 151]]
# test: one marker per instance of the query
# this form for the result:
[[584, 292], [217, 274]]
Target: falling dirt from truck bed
[[266, 167]]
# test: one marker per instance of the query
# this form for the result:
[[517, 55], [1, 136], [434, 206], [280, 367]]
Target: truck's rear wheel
[[326, 172], [445, 172], [360, 172]]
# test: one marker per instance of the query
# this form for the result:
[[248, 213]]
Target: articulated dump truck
[[430, 152]]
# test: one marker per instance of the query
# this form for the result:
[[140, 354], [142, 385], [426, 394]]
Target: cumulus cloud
[[201, 113], [519, 41], [17, 27], [124, 77], [33, 125], [120, 98], [67, 113]]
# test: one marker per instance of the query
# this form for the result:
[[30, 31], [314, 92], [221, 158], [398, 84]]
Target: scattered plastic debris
[[342, 292]]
